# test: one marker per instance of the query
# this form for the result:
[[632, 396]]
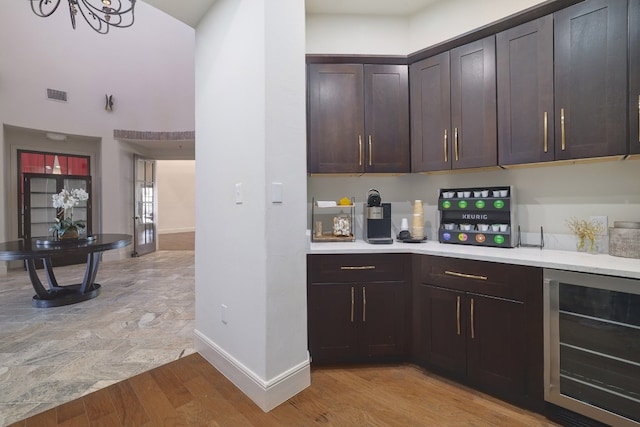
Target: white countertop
[[546, 258]]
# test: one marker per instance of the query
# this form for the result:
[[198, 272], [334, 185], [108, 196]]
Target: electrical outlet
[[601, 220]]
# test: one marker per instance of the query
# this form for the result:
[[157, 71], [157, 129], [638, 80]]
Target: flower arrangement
[[66, 200], [585, 230]]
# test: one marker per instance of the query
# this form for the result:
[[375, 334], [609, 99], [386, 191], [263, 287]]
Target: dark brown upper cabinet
[[453, 109], [358, 118], [524, 57], [634, 76], [590, 43]]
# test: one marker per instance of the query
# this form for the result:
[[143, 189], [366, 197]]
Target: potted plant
[[587, 233], [67, 228]]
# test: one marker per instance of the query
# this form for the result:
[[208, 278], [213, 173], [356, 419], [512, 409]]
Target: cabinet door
[[443, 323], [386, 105], [634, 76], [496, 345], [333, 315], [473, 104], [336, 118], [524, 57], [591, 79], [431, 138], [383, 319]]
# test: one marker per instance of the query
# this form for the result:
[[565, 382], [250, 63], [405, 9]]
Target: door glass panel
[[144, 225], [42, 212]]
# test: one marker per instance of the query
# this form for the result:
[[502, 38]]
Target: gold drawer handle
[[364, 304], [473, 326], [353, 301], [370, 151], [445, 146], [466, 276], [458, 314], [546, 133], [359, 150], [358, 267], [562, 132]]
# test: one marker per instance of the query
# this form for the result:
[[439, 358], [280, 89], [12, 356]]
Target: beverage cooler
[[479, 216]]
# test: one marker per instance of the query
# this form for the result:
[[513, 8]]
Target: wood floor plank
[[153, 400], [44, 419], [127, 406], [171, 386], [98, 405], [72, 414]]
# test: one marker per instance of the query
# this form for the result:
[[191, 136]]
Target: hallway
[[143, 318]]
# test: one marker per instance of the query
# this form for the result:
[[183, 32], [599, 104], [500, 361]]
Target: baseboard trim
[[176, 230], [266, 394]]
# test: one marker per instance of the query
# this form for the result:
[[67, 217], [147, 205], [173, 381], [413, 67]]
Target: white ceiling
[[191, 11]]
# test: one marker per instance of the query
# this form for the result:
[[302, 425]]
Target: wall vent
[[57, 95]]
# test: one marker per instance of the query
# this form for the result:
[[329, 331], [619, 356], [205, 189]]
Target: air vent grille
[[57, 95]]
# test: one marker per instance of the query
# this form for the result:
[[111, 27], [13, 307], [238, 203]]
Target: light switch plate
[[276, 192], [238, 193]]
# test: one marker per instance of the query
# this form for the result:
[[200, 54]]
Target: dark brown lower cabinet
[[356, 313], [477, 322]]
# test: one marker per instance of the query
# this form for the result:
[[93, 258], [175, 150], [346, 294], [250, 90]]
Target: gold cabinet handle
[[473, 329], [463, 275], [458, 313], [546, 134], [364, 304], [455, 142], [562, 133], [370, 151], [353, 301], [446, 157], [359, 150], [358, 267]]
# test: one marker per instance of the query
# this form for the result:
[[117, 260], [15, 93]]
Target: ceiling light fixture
[[99, 14]]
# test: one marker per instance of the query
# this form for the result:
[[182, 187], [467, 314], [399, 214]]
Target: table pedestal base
[[65, 295]]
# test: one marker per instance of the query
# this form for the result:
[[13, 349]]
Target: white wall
[[546, 196], [176, 183], [356, 34], [148, 69], [250, 257], [444, 20]]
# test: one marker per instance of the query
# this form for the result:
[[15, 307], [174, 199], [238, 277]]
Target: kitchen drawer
[[490, 278], [358, 268]]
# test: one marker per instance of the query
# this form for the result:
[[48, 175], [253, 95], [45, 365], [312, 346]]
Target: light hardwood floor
[[190, 392]]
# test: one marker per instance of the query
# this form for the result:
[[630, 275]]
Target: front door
[[144, 217]]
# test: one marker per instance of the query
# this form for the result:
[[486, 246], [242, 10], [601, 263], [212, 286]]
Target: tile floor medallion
[[143, 318]]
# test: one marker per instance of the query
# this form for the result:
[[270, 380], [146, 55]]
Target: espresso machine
[[377, 219]]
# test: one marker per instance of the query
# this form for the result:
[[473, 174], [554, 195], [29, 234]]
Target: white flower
[[68, 199]]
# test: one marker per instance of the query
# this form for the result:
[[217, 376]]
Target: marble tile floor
[[143, 318]]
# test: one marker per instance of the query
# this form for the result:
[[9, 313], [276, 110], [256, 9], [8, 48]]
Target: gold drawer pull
[[359, 150], [358, 267], [446, 146], [364, 304], [353, 301], [546, 133], [455, 143], [562, 132], [473, 328], [466, 276], [458, 313], [370, 151]]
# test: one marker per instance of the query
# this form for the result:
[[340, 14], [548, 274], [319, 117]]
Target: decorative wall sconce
[[109, 102]]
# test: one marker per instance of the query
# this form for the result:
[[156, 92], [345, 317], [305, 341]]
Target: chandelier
[[99, 14]]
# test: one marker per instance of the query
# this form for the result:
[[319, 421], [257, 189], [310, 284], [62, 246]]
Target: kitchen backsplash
[[545, 196]]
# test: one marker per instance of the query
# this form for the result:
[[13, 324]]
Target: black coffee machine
[[377, 219]]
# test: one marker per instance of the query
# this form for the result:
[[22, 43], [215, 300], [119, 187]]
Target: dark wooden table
[[40, 248]]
